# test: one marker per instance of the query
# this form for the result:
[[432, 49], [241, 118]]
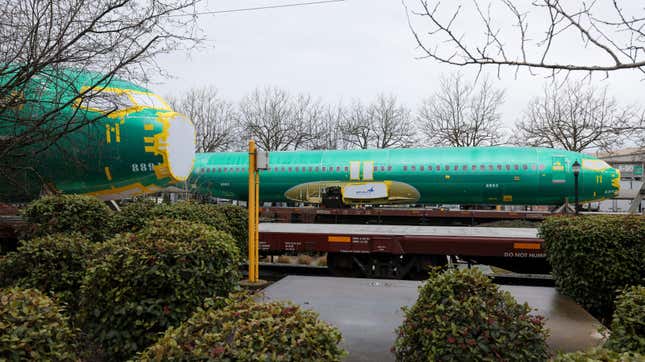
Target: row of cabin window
[[499, 167]]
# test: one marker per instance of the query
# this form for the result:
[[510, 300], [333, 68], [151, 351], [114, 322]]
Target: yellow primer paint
[[531, 246], [117, 131], [107, 133], [339, 239], [148, 126], [118, 190], [447, 177], [108, 174], [508, 198]]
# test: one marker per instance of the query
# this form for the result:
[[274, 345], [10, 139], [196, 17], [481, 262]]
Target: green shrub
[[593, 256], [238, 224], [628, 324], [149, 281], [32, 327], [134, 216], [461, 315], [68, 213], [599, 355], [54, 264], [229, 218], [245, 330]]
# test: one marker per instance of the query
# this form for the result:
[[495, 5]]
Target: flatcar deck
[[404, 230], [383, 215]]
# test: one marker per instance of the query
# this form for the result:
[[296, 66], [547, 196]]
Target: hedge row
[[594, 256], [229, 218], [91, 218]]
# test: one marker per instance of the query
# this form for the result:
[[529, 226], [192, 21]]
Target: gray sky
[[340, 52]]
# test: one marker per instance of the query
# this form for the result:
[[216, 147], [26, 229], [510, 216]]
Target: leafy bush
[[229, 218], [599, 355], [154, 279], [245, 330], [628, 324], [461, 315], [134, 216], [32, 327], [238, 224], [68, 213], [54, 264], [593, 256]]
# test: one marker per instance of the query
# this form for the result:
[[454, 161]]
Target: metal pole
[[575, 185], [252, 211], [256, 241]]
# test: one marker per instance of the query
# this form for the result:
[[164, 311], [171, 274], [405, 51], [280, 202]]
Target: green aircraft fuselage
[[131, 141], [469, 175]]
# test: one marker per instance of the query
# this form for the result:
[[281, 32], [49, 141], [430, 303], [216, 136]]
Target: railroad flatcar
[[468, 175]]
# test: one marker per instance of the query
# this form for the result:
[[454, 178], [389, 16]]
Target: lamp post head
[[576, 168]]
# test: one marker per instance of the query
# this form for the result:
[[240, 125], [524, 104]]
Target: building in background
[[630, 162]]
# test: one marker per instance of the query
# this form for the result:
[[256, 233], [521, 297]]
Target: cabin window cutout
[[405, 168], [421, 168], [324, 168], [355, 170], [473, 167], [389, 168], [482, 167], [368, 170], [464, 167], [318, 168], [499, 167], [337, 168]]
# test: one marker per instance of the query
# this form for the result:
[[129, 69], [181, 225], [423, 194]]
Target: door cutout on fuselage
[[558, 170]]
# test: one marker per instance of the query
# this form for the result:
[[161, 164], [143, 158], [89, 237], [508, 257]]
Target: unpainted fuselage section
[[470, 175]]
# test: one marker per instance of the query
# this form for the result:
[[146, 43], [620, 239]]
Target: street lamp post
[[576, 172]]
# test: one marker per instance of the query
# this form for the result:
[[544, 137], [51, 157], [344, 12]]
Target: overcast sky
[[340, 52]]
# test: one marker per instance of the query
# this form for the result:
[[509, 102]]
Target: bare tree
[[391, 123], [613, 29], [382, 124], [279, 122], [355, 127], [49, 48], [460, 114], [216, 120], [576, 117], [328, 130]]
